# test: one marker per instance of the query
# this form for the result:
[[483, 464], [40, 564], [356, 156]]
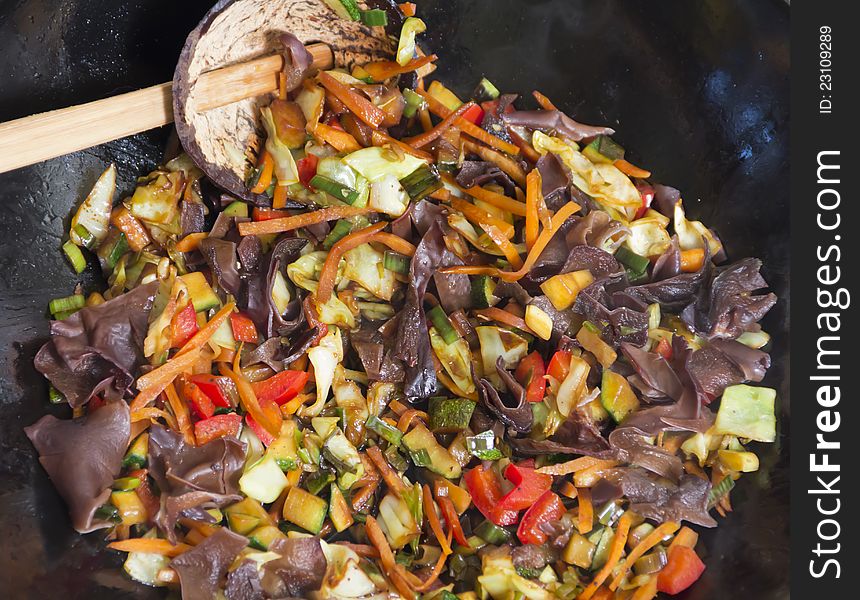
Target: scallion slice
[[69, 303], [442, 324], [414, 102], [340, 230], [389, 433], [485, 91], [338, 190], [483, 446], [492, 533], [631, 260], [420, 458], [422, 182], [75, 256], [374, 18], [396, 262], [88, 239]]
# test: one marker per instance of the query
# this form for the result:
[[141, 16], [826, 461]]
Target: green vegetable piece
[[68, 304], [483, 446], [483, 288], [242, 524], [442, 324], [55, 396], [135, 458], [485, 91], [414, 101], [339, 510], [374, 18], [422, 182], [747, 412], [406, 44], [601, 552], [441, 461], [389, 433], [317, 482], [719, 491], [492, 533], [88, 240], [203, 297], [605, 148], [108, 512], [262, 537], [305, 510], [450, 415], [126, 484], [616, 396], [338, 190], [113, 252], [75, 256], [236, 209], [340, 230], [345, 9], [396, 262], [635, 263]]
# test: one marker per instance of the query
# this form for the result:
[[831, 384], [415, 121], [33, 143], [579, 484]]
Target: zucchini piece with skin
[[616, 396], [262, 537], [264, 481], [135, 458], [483, 287], [339, 510], [305, 510], [747, 412], [202, 295], [441, 461], [450, 415]]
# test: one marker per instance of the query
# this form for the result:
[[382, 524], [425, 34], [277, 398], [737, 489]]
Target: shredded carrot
[[360, 106], [540, 244], [498, 200], [433, 519], [528, 151], [386, 556], [424, 119], [615, 551], [586, 511], [398, 244], [692, 260], [647, 591], [389, 475], [481, 217], [379, 139], [150, 412], [577, 464], [153, 383], [428, 136], [408, 417], [469, 128], [502, 316], [533, 189], [442, 195], [446, 505], [685, 537], [150, 546], [347, 243], [206, 332], [339, 140], [648, 542], [267, 169], [180, 410], [589, 476], [437, 570], [407, 8], [302, 220], [361, 499], [631, 170], [386, 69], [506, 164], [544, 102], [269, 420], [190, 242], [398, 407], [279, 198], [569, 490]]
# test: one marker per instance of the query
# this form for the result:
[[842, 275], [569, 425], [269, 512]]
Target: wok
[[698, 92]]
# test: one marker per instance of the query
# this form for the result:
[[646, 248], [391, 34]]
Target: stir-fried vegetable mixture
[[469, 351]]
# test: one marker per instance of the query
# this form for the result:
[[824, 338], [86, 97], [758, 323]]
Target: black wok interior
[[698, 92]]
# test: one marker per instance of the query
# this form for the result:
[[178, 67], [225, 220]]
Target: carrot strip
[[648, 542], [267, 164], [379, 139], [540, 244], [385, 69], [569, 490], [615, 551], [386, 557], [437, 570], [362, 107], [450, 514], [577, 464], [389, 475], [533, 188], [205, 332], [481, 217], [502, 316], [586, 511], [544, 102], [339, 140], [500, 160], [428, 136], [302, 220], [442, 195], [183, 416], [526, 148], [631, 170], [407, 8], [498, 200], [153, 383], [433, 519], [190, 242], [150, 546], [279, 199], [410, 415], [424, 119], [398, 244], [150, 412], [692, 260], [469, 128], [135, 233], [329, 270], [271, 422]]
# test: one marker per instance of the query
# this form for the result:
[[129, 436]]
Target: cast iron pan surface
[[698, 92]]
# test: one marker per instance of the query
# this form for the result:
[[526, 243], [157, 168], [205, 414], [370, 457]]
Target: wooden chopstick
[[36, 138]]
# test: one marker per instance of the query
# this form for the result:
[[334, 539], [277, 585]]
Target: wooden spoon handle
[[36, 138]]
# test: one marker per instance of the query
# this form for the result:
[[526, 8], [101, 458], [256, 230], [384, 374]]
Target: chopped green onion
[[396, 262], [126, 483], [345, 9], [67, 304], [422, 182], [54, 395], [609, 514], [88, 239], [374, 18], [592, 327], [338, 190], [483, 446], [75, 256], [414, 102], [485, 91], [443, 324], [420, 458], [317, 482], [492, 533], [389, 433], [340, 230], [719, 491], [108, 512], [396, 459], [287, 464], [631, 260], [651, 563], [115, 251], [606, 147]]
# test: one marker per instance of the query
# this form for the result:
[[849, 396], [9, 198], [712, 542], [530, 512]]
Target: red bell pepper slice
[[530, 372], [265, 437], [243, 328], [647, 194], [548, 508], [280, 388], [307, 168], [559, 365], [529, 485], [201, 403], [215, 387], [267, 214], [486, 491], [453, 520], [183, 326], [474, 114], [664, 349], [217, 427], [683, 570]]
